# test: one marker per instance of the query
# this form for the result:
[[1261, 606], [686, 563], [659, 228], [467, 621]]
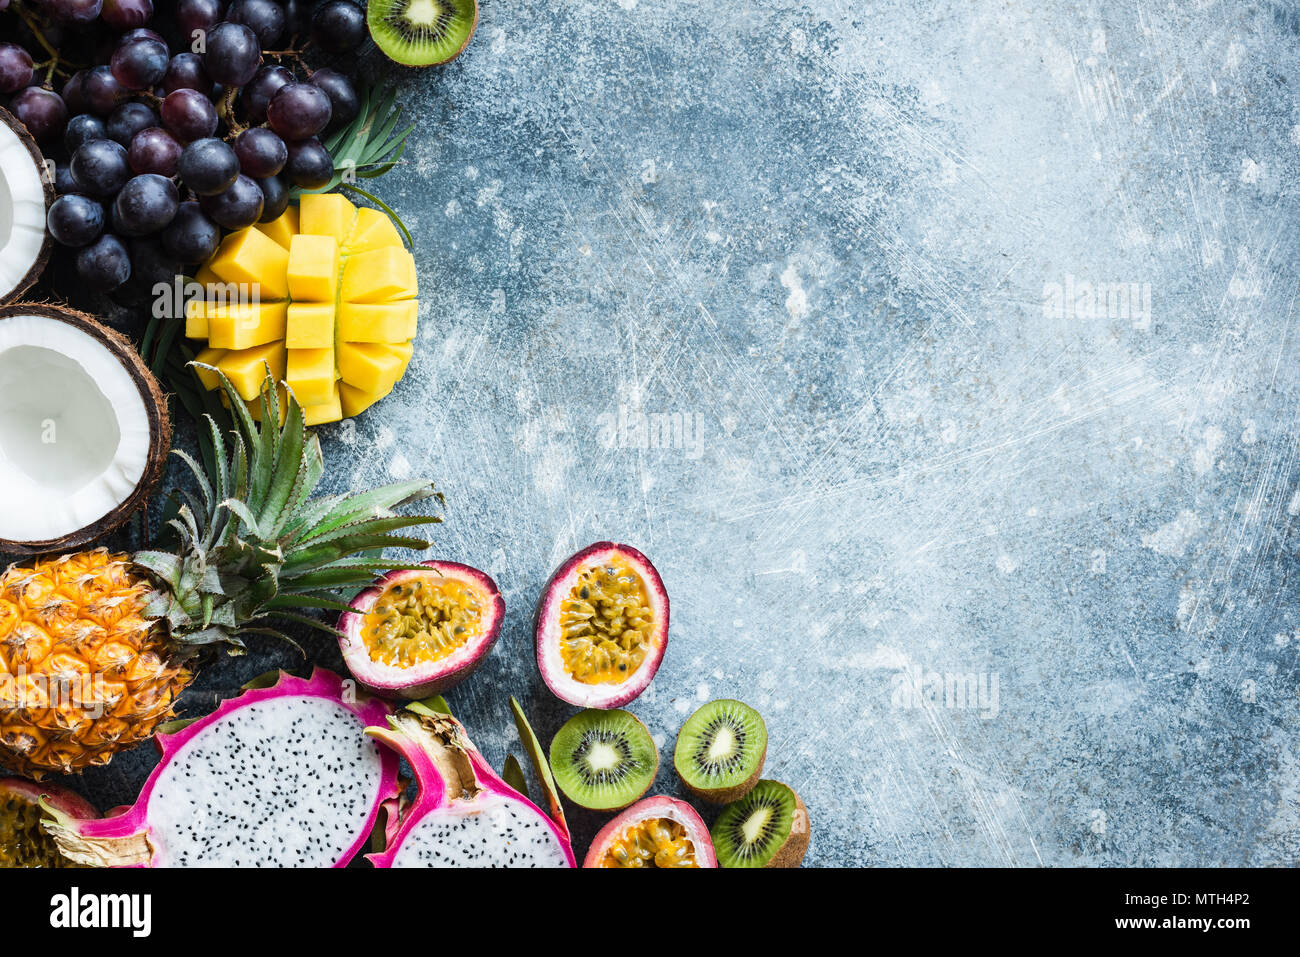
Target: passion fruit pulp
[[602, 626], [23, 843], [417, 633], [659, 832]]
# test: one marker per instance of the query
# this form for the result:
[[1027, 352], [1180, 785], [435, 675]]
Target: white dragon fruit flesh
[[282, 776], [464, 814]]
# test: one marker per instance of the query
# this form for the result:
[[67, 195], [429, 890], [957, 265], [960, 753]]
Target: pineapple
[[95, 647]]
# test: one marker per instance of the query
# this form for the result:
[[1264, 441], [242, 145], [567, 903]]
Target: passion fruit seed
[[654, 842], [416, 622], [605, 623]]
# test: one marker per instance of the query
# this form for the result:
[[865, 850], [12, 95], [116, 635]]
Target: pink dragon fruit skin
[[164, 829], [464, 814]]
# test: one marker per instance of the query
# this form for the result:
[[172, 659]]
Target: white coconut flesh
[[494, 830], [22, 211], [287, 782], [74, 429]]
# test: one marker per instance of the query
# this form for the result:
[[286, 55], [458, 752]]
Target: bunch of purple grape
[[162, 146]]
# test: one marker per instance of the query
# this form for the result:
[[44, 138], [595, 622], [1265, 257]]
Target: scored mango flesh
[[420, 621], [654, 842], [335, 314], [606, 623]]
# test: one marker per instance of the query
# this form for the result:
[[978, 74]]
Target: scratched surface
[[970, 327]]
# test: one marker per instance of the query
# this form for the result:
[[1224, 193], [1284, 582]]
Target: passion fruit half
[[23, 843], [657, 832], [602, 626], [419, 632]]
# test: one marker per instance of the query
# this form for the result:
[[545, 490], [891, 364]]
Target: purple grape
[[154, 151], [15, 68], [42, 111], [101, 91], [125, 14], [146, 204], [65, 183], [338, 26], [128, 120], [309, 165], [298, 111], [75, 220], [73, 11], [275, 198], [208, 167], [191, 237], [74, 93], [237, 207], [257, 93], [141, 33], [100, 167], [233, 54], [83, 127], [104, 264], [263, 17], [344, 102], [185, 72], [189, 115], [198, 15], [140, 63], [261, 153]]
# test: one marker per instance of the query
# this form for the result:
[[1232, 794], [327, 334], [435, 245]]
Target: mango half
[[325, 296]]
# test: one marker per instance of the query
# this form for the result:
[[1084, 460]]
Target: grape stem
[[227, 110], [35, 26]]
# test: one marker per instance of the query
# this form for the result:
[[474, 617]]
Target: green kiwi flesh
[[768, 827], [422, 32], [604, 760], [720, 750]]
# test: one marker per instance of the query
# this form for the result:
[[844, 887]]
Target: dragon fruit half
[[464, 814], [282, 776]]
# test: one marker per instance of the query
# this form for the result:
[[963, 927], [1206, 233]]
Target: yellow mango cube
[[354, 401], [310, 374], [373, 229], [246, 368], [313, 268], [244, 325], [250, 257], [379, 275], [282, 228], [330, 410], [326, 214], [378, 322], [371, 366], [196, 318], [310, 325], [205, 277], [209, 357]]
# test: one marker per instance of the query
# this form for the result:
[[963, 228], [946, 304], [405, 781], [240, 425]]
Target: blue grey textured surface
[[963, 336]]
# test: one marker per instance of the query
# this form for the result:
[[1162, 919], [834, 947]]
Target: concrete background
[[854, 246]]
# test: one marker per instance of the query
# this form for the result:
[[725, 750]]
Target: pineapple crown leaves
[[253, 541]]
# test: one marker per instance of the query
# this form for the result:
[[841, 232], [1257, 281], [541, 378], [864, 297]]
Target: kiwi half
[[768, 827], [422, 32], [604, 760], [720, 750]]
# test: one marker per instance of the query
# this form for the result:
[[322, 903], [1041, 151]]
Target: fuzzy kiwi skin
[[795, 847], [723, 795]]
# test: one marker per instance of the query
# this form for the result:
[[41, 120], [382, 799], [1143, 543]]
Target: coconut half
[[84, 429], [25, 197]]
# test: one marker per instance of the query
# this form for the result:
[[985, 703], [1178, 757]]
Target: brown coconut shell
[[725, 795], [796, 845], [160, 428], [43, 258]]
